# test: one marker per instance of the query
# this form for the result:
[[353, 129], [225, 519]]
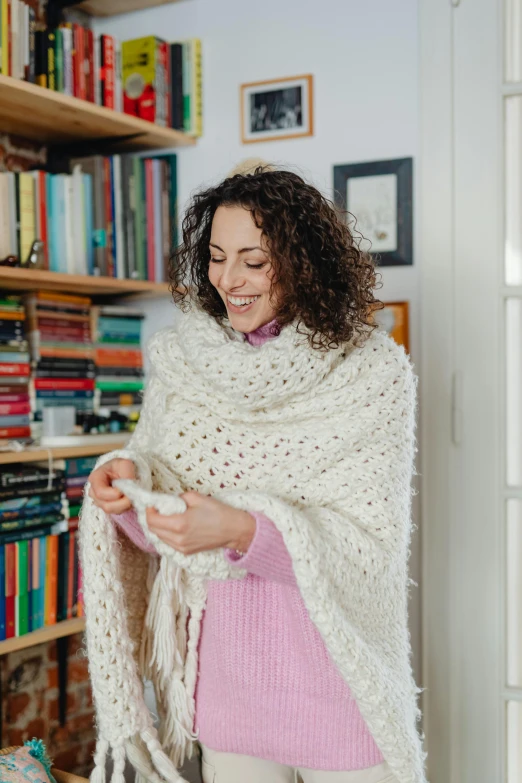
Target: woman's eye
[[255, 266], [216, 260]]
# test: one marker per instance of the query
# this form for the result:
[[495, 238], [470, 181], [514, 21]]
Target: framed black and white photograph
[[377, 198], [277, 109]]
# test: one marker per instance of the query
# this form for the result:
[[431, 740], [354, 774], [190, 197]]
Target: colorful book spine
[[2, 594]]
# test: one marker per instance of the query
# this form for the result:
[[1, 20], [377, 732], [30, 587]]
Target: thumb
[[123, 468]]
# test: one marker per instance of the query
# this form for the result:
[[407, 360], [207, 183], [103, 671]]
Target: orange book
[[9, 315], [105, 357], [51, 580], [67, 353], [72, 298]]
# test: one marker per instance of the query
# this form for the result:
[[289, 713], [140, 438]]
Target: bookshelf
[[113, 7], [56, 119], [37, 453], [18, 279], [42, 635]]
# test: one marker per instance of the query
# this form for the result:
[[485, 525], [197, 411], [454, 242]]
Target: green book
[[173, 199], [140, 217], [58, 59], [123, 386], [22, 587]]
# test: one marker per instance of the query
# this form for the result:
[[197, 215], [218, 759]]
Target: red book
[[10, 589], [82, 81], [9, 39], [164, 61], [53, 335], [14, 369], [88, 65], [8, 433], [149, 201], [14, 409], [76, 61], [42, 217], [107, 70], [53, 323], [18, 390], [71, 384], [9, 399], [108, 216]]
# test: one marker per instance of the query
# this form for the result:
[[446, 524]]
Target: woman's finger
[[101, 486], [115, 506]]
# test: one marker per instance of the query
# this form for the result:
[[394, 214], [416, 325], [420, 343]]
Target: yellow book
[[4, 43], [27, 214], [197, 87]]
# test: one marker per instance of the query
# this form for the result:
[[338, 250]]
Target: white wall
[[363, 56]]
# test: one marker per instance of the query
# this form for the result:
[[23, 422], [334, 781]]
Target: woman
[[287, 424]]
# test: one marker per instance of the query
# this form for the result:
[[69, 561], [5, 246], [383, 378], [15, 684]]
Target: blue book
[[14, 421], [125, 325], [49, 187], [89, 225], [14, 358], [30, 617], [41, 589], [63, 394], [2, 593], [58, 261]]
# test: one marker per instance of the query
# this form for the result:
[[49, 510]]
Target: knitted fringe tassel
[[100, 759]]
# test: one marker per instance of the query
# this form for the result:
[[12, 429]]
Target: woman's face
[[240, 268]]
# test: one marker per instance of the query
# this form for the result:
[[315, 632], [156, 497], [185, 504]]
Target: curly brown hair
[[323, 278]]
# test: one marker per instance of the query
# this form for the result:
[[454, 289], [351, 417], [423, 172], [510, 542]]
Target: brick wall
[[30, 704]]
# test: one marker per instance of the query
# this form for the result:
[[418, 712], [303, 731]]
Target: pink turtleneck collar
[[263, 333]]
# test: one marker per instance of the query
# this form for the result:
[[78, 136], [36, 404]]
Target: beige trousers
[[234, 768]]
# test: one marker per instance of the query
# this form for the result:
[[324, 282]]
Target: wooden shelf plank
[[47, 634], [113, 7], [36, 453], [33, 279], [53, 118]]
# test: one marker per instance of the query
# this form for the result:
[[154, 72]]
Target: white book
[[118, 83], [11, 191], [69, 248], [97, 66], [78, 222], [5, 229], [15, 39], [118, 219], [67, 38]]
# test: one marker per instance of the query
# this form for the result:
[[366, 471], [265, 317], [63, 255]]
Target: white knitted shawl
[[323, 444]]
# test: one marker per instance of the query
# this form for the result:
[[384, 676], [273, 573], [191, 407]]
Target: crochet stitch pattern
[[323, 444]]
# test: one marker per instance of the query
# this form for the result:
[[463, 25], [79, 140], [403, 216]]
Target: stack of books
[[39, 580], [113, 216], [14, 370], [147, 77], [77, 472], [61, 350], [118, 356]]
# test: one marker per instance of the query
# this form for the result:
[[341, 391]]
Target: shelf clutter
[[146, 78]]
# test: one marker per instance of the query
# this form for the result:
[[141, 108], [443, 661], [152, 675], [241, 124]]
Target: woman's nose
[[230, 278]]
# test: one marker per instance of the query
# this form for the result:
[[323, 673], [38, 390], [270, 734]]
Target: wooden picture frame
[[394, 319], [277, 109], [378, 198]]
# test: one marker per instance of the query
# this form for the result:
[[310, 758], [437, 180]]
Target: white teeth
[[238, 301]]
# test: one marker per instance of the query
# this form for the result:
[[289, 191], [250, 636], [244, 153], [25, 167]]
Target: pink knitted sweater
[[267, 686]]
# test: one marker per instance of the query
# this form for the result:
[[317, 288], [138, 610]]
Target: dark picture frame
[[385, 198]]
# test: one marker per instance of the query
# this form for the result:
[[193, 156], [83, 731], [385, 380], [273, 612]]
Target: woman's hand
[[107, 497], [206, 524]]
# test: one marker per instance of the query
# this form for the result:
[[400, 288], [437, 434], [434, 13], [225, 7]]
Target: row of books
[[113, 216], [61, 350], [40, 578], [146, 77]]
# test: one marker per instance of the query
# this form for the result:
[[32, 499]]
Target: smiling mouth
[[242, 301]]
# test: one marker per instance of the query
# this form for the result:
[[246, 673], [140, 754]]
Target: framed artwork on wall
[[378, 199], [277, 109], [394, 319]]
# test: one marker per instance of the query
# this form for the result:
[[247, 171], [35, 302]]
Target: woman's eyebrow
[[243, 249]]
